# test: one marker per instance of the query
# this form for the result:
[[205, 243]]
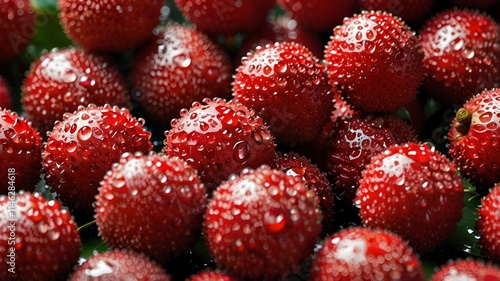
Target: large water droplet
[[275, 220], [241, 151], [84, 133]]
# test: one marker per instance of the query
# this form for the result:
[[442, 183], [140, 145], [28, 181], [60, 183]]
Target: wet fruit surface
[[180, 66], [82, 148], [133, 192], [40, 237], [256, 216], [220, 138], [382, 49], [365, 254], [20, 151], [413, 191], [120, 265], [62, 80], [169, 80]]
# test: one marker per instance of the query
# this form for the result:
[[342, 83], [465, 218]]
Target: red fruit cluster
[[218, 201], [82, 148], [61, 80], [163, 195], [38, 238]]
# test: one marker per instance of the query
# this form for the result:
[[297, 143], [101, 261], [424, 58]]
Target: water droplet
[[241, 151], [239, 245], [100, 268], [84, 133], [42, 227], [54, 235], [275, 220], [71, 146], [182, 60]]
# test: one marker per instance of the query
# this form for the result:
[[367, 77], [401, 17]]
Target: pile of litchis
[[251, 140]]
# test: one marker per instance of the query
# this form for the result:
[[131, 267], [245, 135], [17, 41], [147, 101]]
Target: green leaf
[[466, 238], [93, 245], [45, 6], [429, 266]]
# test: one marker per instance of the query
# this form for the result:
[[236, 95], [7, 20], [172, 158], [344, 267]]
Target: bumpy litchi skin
[[5, 98], [413, 191], [375, 61], [288, 87], [226, 17], [462, 57], [220, 138], [355, 140], [44, 237], [17, 27], [319, 15], [474, 139], [467, 269], [359, 253], [82, 148], [110, 26], [63, 79], [408, 10], [20, 151], [257, 217], [299, 166], [488, 224], [475, 4], [282, 29], [162, 200], [120, 265], [180, 66], [211, 275]]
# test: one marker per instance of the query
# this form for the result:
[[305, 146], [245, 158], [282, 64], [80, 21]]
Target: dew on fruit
[[101, 268], [87, 82], [42, 227], [53, 235], [118, 182], [84, 133], [182, 60], [275, 220], [395, 165], [241, 151], [240, 247], [71, 146]]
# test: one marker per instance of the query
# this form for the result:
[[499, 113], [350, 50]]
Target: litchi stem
[[463, 121], [86, 225], [463, 116]]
